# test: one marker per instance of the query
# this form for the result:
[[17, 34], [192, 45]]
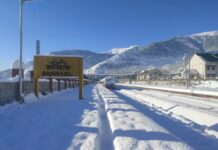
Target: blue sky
[[99, 25]]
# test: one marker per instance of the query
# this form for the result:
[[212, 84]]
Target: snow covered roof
[[208, 57]]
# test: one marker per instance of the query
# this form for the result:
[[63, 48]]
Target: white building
[[206, 64]]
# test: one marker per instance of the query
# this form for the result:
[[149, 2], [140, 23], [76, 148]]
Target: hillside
[[168, 53], [90, 58], [158, 54]]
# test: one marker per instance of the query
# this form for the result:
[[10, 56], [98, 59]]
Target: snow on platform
[[104, 120], [132, 129], [199, 112], [56, 122]]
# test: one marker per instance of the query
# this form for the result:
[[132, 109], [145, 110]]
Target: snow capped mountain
[[208, 40], [211, 33], [135, 58], [119, 50], [158, 54], [90, 58], [6, 74]]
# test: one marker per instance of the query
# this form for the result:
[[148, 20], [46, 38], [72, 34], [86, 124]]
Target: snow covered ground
[[201, 113], [206, 84], [56, 122], [104, 120], [132, 129], [132, 121]]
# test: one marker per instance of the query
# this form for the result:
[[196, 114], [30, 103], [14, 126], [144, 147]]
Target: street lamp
[[21, 52]]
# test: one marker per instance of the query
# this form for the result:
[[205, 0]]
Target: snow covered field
[[125, 119]]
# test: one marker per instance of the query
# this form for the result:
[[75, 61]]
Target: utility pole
[[21, 100], [21, 71]]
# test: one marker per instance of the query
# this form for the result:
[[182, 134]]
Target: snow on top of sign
[[80, 56]]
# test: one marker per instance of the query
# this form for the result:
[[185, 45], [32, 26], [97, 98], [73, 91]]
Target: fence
[[170, 82]]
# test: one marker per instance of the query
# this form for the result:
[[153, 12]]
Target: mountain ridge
[[135, 58], [157, 54], [90, 58]]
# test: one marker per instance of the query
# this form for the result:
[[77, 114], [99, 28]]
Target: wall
[[9, 90], [197, 63]]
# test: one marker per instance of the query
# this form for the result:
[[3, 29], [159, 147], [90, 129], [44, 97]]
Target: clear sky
[[99, 25]]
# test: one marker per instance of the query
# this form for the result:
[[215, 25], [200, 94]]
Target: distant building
[[149, 74], [205, 64]]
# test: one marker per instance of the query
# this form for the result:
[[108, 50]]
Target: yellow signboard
[[58, 67]]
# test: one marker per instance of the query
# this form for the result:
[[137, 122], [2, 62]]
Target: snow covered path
[[56, 122]]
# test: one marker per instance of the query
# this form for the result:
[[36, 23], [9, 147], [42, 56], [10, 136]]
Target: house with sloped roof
[[206, 64]]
